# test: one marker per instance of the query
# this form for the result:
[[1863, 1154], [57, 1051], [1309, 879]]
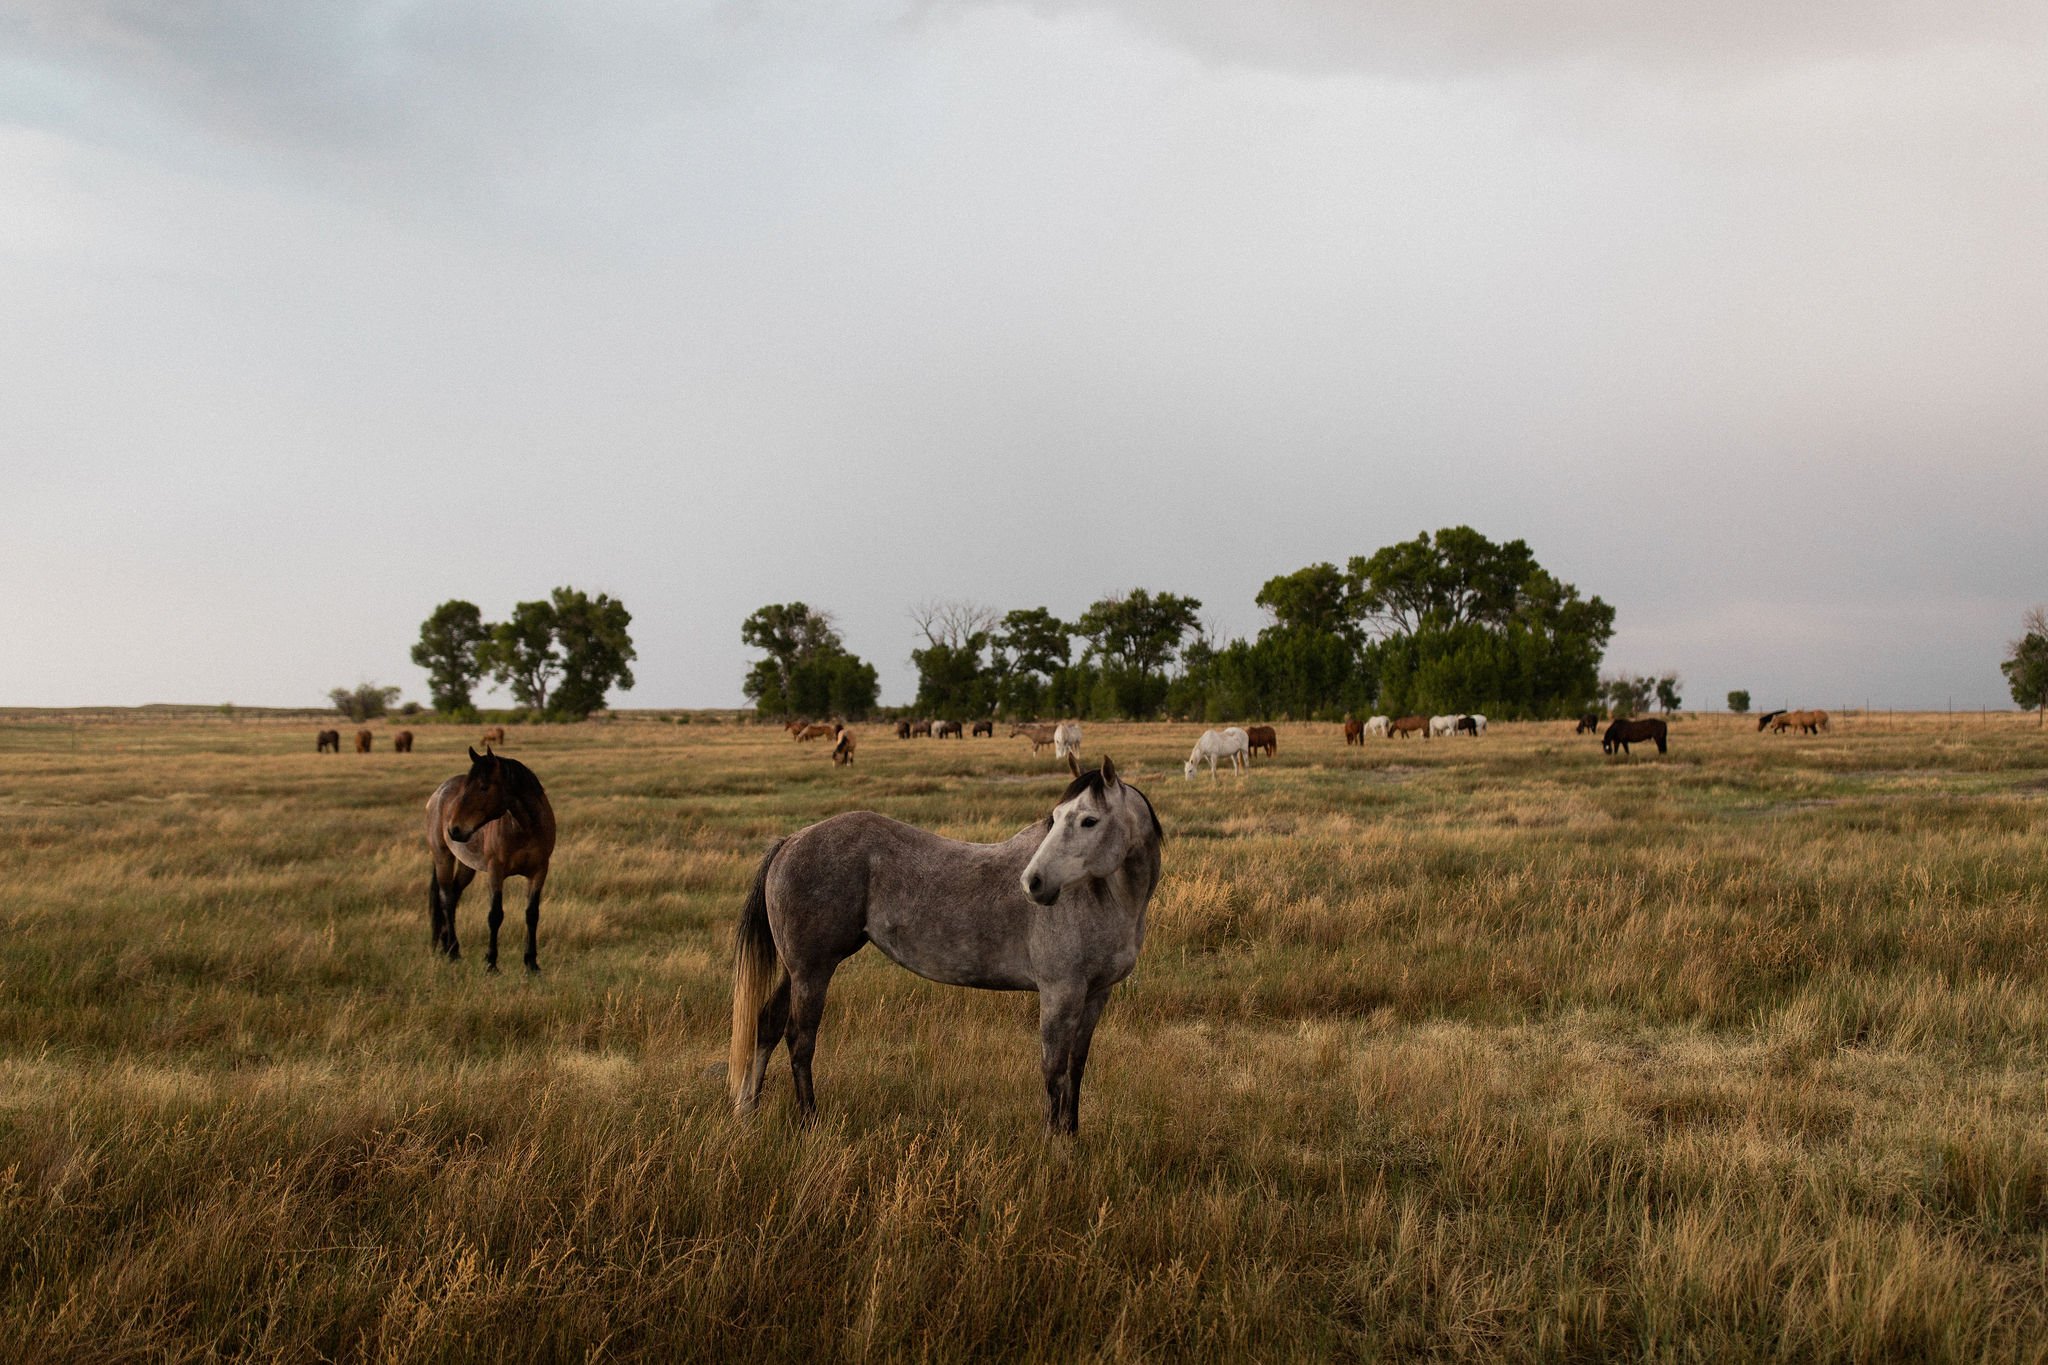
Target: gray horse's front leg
[[1066, 1027]]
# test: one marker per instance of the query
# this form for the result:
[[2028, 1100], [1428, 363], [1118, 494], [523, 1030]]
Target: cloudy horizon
[[322, 317]]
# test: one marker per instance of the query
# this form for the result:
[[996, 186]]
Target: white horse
[[1066, 740], [1231, 743], [1440, 726], [1378, 726]]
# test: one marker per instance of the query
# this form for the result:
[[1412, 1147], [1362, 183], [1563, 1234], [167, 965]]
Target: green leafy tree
[[447, 650], [1738, 702], [788, 633], [522, 654], [1318, 600], [1136, 637], [1626, 694], [809, 670], [364, 701], [1028, 648], [596, 650], [2026, 664], [1667, 692], [953, 679]]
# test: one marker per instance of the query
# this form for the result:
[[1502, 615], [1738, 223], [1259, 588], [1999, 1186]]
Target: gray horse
[[1059, 908]]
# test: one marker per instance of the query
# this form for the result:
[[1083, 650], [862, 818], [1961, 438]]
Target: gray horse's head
[[1099, 821]]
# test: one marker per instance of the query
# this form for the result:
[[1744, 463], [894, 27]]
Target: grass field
[[1456, 1049]]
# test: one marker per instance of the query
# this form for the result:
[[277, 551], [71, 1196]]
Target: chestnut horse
[[327, 742], [947, 729], [842, 749], [820, 730], [1354, 732], [401, 743], [1623, 733], [1262, 738], [921, 727], [495, 735], [494, 819], [984, 727], [903, 729], [1404, 726], [363, 738]]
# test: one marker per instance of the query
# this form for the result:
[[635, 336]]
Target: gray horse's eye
[[1089, 823]]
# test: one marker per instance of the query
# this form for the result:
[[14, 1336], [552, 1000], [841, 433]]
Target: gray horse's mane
[[1091, 781]]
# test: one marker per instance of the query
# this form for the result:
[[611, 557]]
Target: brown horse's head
[[483, 796]]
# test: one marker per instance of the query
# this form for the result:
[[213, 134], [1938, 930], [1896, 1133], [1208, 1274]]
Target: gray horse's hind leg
[[1066, 1027], [806, 1011], [774, 1017]]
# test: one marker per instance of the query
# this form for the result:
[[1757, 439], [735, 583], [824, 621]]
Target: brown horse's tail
[[754, 963]]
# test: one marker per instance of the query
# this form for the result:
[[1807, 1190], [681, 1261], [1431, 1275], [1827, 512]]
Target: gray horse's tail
[[754, 961]]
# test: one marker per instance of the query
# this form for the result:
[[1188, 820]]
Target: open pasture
[[1460, 1049]]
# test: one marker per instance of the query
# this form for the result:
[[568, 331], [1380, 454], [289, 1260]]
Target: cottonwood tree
[[562, 655], [447, 650], [1738, 702], [364, 701], [2026, 664], [809, 670]]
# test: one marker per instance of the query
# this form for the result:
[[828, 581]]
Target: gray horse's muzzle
[[1040, 890]]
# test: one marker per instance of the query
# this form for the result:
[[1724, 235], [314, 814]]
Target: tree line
[[558, 656], [1443, 622]]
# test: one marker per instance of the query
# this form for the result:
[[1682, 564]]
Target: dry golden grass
[[1452, 1049]]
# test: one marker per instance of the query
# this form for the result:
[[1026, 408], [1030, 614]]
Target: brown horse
[[816, 731], [842, 749], [1806, 722], [401, 743], [495, 735], [1589, 724], [494, 819], [363, 738], [921, 727], [1404, 726], [903, 729], [1623, 733], [1763, 722], [1354, 732], [1039, 735], [1262, 739], [327, 742], [984, 727], [947, 729]]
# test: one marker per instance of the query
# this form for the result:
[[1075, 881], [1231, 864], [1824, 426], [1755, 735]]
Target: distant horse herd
[[1057, 909]]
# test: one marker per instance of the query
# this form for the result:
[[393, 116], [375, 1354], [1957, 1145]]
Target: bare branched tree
[[953, 622]]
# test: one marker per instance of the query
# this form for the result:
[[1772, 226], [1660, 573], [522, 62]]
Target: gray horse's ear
[[1109, 778]]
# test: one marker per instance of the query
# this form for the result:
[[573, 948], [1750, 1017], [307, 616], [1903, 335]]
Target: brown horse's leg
[[533, 886], [497, 918], [451, 896], [806, 1011]]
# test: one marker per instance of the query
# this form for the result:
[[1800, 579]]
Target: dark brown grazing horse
[[1763, 722], [1623, 733], [402, 742], [363, 738], [1466, 726], [493, 819], [327, 742], [1354, 732], [921, 727], [1262, 739], [842, 749], [495, 735], [984, 727], [1409, 725], [1588, 725], [947, 729], [903, 729]]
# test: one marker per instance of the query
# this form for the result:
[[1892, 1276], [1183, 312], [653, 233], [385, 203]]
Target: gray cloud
[[326, 316]]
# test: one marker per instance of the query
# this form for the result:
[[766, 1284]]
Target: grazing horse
[[903, 729], [1589, 724], [1466, 725], [1439, 726], [947, 729], [1229, 742], [1404, 726], [363, 739], [818, 730], [1379, 726], [921, 727], [495, 735], [493, 819], [1039, 735], [1806, 722], [1059, 908], [1623, 733], [842, 749], [1763, 721], [327, 742], [1262, 738], [984, 727], [401, 743], [1354, 732], [795, 725]]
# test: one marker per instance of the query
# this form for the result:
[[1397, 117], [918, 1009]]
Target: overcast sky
[[315, 315]]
